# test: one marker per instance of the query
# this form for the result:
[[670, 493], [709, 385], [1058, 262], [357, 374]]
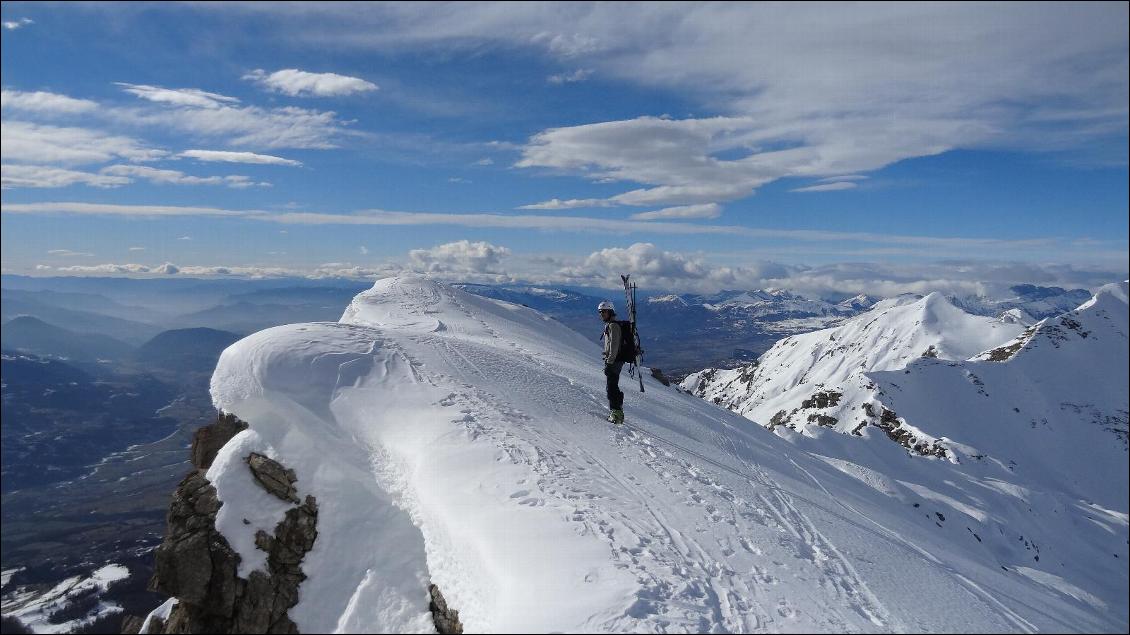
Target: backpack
[[627, 342]]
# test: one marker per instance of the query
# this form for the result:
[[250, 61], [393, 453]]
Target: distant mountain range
[[33, 335]]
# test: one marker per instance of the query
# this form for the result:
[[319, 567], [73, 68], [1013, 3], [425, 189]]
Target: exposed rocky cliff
[[196, 565]]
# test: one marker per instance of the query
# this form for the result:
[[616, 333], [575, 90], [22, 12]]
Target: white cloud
[[811, 90], [674, 271], [41, 102], [67, 253], [296, 83], [485, 161], [827, 187], [176, 177], [190, 97], [237, 157], [364, 250], [185, 238], [25, 142], [137, 248], [286, 127], [579, 75], [844, 177], [814, 243], [457, 179], [461, 256], [566, 44], [707, 210], [651, 266], [573, 203], [109, 209], [130, 268], [41, 176], [12, 25]]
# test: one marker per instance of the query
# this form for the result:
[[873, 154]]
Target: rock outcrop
[[445, 618], [208, 440], [196, 564]]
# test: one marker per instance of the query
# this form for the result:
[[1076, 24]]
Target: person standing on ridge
[[619, 347]]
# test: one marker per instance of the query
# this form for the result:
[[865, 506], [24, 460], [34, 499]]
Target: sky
[[881, 148]]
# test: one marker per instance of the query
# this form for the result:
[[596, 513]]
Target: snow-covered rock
[[458, 440]]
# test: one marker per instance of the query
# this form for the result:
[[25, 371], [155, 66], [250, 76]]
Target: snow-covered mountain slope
[[820, 378], [459, 440], [1052, 403]]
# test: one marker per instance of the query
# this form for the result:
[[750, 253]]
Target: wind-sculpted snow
[[459, 440]]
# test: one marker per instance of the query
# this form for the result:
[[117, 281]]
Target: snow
[[454, 439], [161, 612], [892, 334], [6, 575], [1035, 429], [34, 609]]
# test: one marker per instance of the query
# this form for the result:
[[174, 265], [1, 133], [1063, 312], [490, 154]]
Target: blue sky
[[874, 147]]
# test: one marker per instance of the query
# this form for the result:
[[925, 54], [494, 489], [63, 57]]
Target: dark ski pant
[[615, 395]]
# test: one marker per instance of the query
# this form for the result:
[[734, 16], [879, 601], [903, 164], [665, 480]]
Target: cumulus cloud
[[707, 210], [191, 97], [41, 102], [176, 177], [296, 83], [579, 75], [24, 142], [237, 157], [41, 176], [462, 256], [652, 266]]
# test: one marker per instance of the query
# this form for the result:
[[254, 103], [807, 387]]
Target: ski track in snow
[[715, 541], [685, 585], [699, 590]]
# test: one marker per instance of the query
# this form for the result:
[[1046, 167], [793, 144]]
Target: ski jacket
[[618, 347]]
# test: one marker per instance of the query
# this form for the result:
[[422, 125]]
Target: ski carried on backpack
[[630, 301]]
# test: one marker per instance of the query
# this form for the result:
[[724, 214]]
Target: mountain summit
[[443, 441]]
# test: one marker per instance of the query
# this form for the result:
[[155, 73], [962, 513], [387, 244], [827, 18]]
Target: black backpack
[[627, 342]]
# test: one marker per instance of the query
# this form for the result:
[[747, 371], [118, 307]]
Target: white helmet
[[605, 306]]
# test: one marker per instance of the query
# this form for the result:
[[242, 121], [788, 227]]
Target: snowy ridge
[[830, 365], [456, 439]]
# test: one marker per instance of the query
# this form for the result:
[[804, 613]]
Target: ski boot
[[616, 416]]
